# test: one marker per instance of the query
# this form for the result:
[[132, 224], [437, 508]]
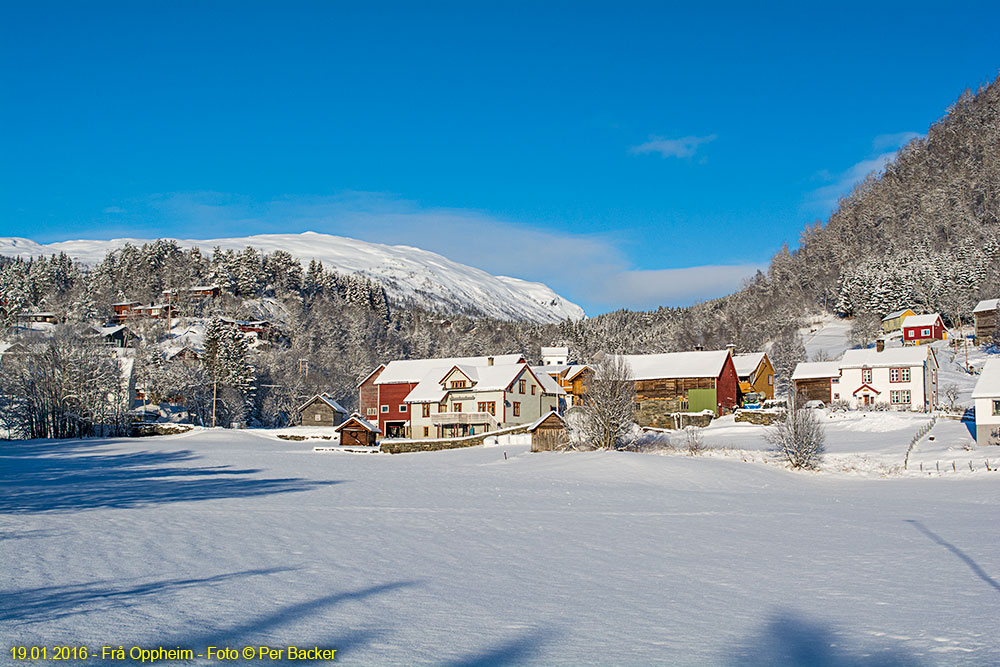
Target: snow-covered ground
[[471, 557], [407, 273]]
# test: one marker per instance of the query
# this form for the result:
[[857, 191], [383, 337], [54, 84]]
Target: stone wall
[[400, 446], [666, 413], [759, 417]]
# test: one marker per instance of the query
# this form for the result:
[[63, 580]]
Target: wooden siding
[[549, 436], [327, 415], [816, 389], [986, 323], [368, 396], [357, 436]]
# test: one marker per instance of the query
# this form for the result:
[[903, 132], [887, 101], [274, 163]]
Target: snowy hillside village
[[181, 362]]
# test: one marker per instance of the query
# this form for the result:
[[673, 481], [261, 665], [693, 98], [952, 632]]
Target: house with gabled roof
[[356, 431], [322, 410], [466, 400], [894, 320], [905, 378], [756, 374], [927, 328], [382, 392], [817, 381]]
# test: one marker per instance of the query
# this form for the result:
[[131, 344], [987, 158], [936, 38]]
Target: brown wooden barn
[[985, 315], [322, 410], [548, 433], [817, 380], [356, 431]]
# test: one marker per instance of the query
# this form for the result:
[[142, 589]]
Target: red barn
[[919, 329], [385, 389]]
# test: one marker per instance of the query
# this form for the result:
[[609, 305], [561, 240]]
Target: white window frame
[[385, 408], [402, 408]]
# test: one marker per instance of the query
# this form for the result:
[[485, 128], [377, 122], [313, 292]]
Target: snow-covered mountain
[[408, 274]]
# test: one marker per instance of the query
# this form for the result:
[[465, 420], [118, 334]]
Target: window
[[481, 406], [866, 375], [427, 431], [385, 408], [520, 386], [425, 410], [458, 384], [491, 407], [925, 332], [899, 397], [996, 408], [457, 407], [834, 380], [899, 375], [836, 397], [532, 390], [402, 408], [770, 380], [517, 407], [442, 407], [318, 417], [372, 412]]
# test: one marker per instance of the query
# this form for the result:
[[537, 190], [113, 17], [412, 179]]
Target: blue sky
[[627, 154]]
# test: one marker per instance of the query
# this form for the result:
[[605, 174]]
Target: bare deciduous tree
[[609, 415], [799, 438]]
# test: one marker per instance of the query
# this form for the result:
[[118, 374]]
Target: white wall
[[850, 381]]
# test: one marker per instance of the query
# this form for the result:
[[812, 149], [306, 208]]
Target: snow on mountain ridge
[[409, 274]]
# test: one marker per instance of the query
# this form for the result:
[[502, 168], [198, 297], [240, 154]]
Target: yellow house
[[894, 321], [756, 373]]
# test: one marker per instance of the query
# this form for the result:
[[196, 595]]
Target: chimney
[[880, 345], [732, 349], [489, 361]]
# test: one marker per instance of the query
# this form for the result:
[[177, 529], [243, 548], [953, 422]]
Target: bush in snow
[[799, 438], [694, 440]]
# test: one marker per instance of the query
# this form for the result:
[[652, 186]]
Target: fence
[[913, 442]]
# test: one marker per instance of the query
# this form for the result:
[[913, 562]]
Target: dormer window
[[458, 384]]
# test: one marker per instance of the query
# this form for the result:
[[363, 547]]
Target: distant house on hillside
[[322, 410], [894, 321], [985, 315], [756, 373], [118, 336], [903, 377], [123, 309], [555, 356], [817, 381], [682, 382], [919, 329], [196, 293], [986, 396]]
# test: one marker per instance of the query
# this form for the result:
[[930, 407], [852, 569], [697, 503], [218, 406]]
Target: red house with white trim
[[919, 329]]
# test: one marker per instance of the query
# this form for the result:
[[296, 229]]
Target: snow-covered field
[[468, 557]]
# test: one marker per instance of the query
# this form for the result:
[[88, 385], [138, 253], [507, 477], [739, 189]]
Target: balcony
[[464, 418]]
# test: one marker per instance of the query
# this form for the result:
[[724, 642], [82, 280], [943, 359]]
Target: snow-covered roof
[[816, 370], [988, 385], [414, 370], [898, 313], [696, 364], [747, 363], [325, 398], [555, 351], [549, 384], [892, 356], [356, 417], [987, 305], [538, 422], [109, 331], [483, 378], [928, 320]]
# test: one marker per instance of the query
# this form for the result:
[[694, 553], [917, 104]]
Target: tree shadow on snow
[[64, 479], [973, 565], [510, 652], [789, 640], [32, 605]]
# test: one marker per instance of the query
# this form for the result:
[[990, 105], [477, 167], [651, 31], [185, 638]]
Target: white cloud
[[885, 147], [683, 147], [647, 289]]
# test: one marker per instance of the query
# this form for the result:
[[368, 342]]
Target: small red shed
[[356, 431]]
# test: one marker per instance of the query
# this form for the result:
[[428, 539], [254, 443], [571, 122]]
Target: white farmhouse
[[466, 400], [903, 377], [986, 396]]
